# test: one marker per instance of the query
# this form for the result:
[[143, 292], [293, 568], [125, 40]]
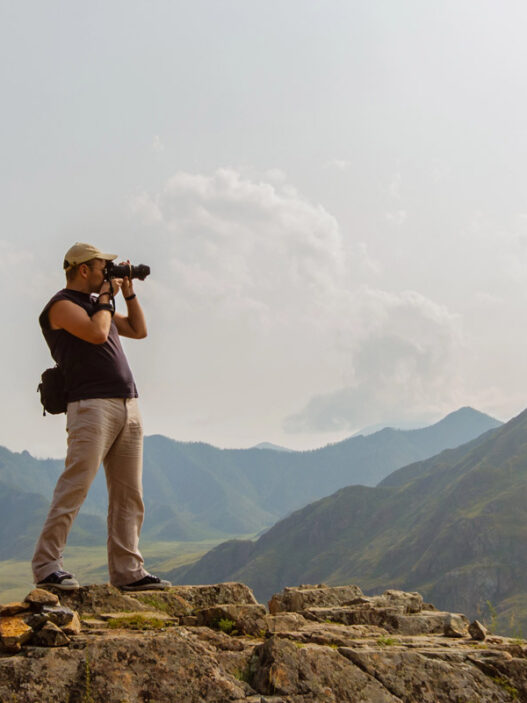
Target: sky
[[331, 197]]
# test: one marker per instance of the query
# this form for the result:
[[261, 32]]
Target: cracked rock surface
[[215, 643]]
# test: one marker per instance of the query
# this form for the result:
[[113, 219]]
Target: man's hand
[[116, 286]]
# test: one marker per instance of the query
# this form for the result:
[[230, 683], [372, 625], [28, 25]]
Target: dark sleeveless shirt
[[90, 370]]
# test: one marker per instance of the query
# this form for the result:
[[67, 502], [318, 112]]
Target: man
[[103, 419]]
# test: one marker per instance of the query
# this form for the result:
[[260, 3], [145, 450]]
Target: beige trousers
[[108, 431]]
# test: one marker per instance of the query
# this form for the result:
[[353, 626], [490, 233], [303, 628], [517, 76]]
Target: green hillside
[[194, 491], [23, 515], [453, 527]]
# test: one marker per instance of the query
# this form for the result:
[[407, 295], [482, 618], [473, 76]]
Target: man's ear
[[83, 270]]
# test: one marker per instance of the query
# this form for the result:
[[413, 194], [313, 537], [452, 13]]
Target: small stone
[[477, 631], [36, 620], [73, 627], [13, 609], [59, 615], [38, 598], [50, 636], [455, 626], [14, 632]]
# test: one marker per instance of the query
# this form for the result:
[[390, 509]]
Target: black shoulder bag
[[52, 389]]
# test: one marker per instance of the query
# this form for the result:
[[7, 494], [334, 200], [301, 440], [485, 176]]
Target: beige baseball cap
[[81, 252]]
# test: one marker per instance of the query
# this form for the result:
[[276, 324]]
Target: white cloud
[[272, 307], [405, 360]]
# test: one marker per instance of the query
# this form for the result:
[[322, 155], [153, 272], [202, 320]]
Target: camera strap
[[111, 299]]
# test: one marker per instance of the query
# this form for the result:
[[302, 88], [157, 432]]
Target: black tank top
[[90, 370]]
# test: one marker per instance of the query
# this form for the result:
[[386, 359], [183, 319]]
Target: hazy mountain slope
[[23, 515], [240, 491], [456, 531], [195, 491]]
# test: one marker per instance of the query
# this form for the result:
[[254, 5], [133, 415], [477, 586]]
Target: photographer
[[103, 420]]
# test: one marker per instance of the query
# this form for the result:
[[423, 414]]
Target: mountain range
[[453, 527], [195, 491]]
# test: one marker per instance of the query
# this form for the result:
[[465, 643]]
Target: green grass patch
[[506, 686], [387, 641], [227, 626], [154, 602]]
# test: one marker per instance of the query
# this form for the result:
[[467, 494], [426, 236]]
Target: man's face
[[95, 272]]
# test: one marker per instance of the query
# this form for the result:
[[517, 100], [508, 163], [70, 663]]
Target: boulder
[[50, 635], [35, 620], [455, 625], [73, 626], [477, 631], [38, 597], [59, 615], [14, 632], [296, 599], [13, 608]]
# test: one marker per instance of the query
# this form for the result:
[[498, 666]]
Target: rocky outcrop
[[38, 620], [315, 644]]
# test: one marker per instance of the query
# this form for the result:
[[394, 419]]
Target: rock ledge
[[215, 643]]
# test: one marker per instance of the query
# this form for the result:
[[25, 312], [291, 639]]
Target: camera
[[121, 270]]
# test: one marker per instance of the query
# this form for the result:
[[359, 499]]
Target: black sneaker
[[60, 579], [147, 583]]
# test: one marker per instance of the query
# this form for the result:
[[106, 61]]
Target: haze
[[331, 196]]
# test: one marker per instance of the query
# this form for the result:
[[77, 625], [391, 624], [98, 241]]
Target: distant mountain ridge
[[196, 491], [453, 527], [270, 445]]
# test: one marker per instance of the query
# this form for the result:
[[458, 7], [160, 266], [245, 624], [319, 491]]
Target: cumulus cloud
[[233, 243], [404, 366], [272, 306]]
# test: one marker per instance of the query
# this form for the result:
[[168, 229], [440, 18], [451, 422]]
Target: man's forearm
[[101, 321], [136, 317]]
